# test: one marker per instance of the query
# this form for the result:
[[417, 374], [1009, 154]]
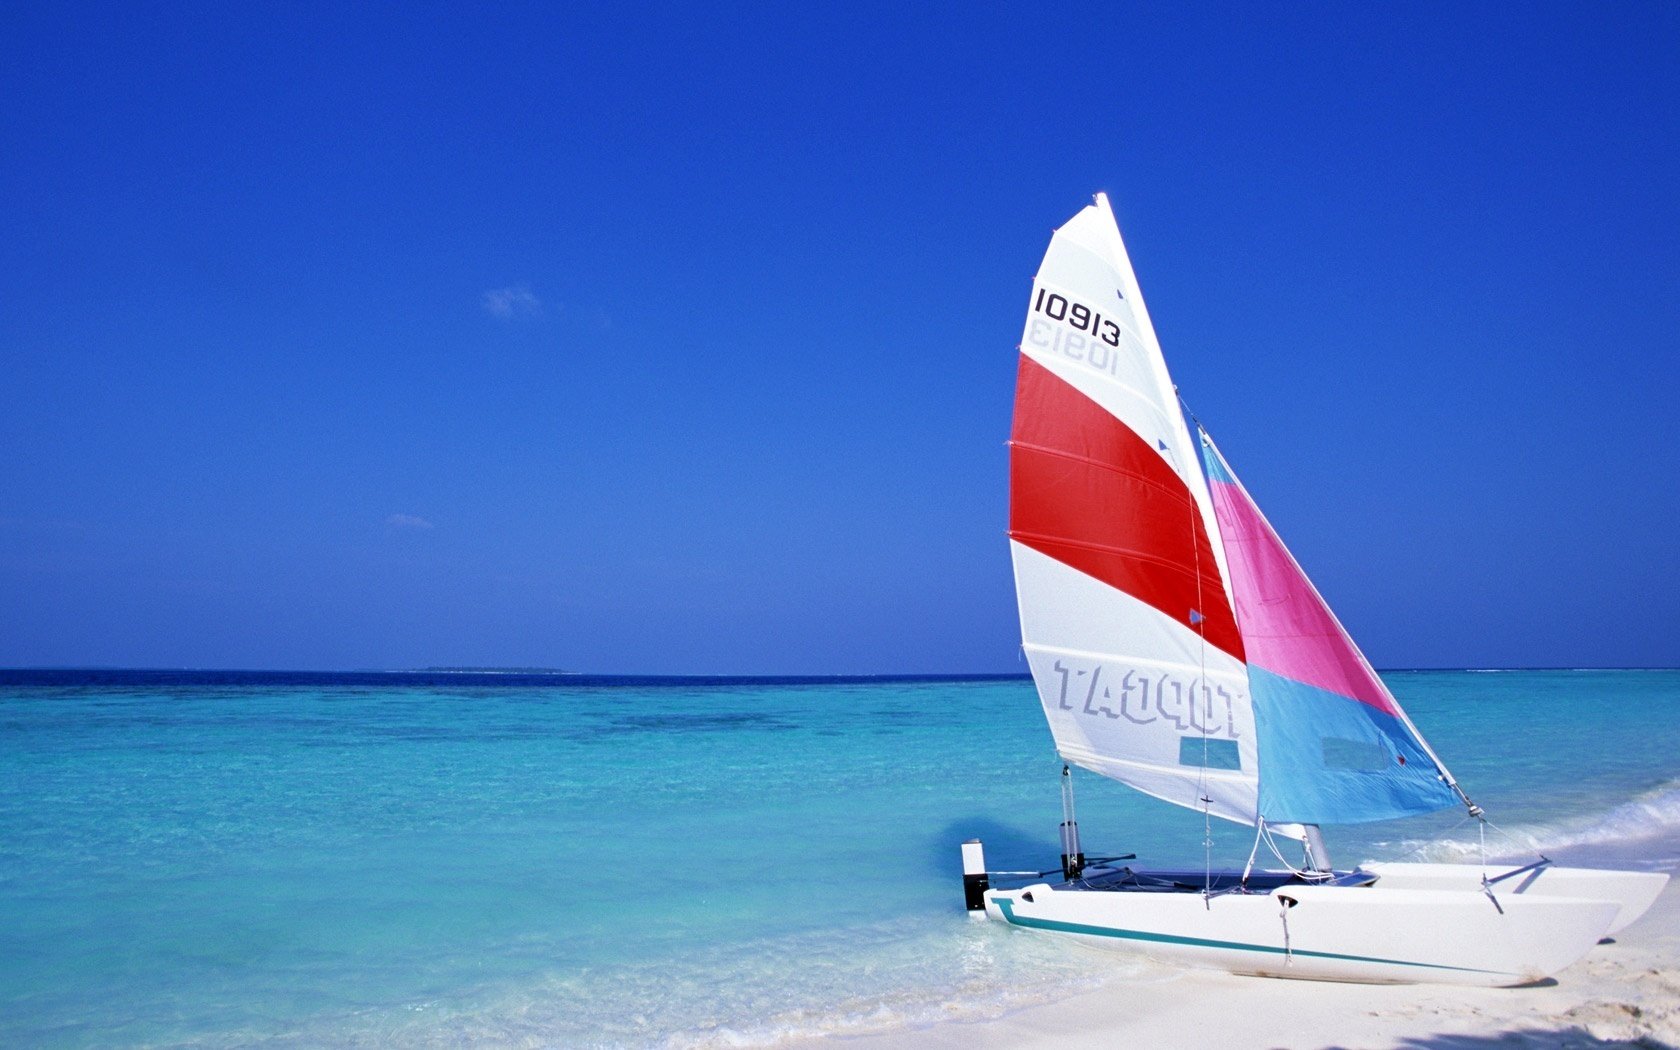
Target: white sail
[[1125, 615]]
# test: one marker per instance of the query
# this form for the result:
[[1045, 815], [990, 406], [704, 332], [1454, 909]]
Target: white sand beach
[[1624, 993]]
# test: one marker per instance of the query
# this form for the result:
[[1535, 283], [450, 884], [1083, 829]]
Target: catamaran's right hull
[[1633, 891], [1330, 933]]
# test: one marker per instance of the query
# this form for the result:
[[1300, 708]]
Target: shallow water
[[308, 860]]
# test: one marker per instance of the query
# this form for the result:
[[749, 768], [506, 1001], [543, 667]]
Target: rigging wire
[[1259, 822], [1198, 620], [1430, 842], [1525, 847]]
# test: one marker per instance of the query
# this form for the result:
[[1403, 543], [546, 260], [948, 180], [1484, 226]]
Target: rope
[[1248, 869], [1306, 874], [1284, 904]]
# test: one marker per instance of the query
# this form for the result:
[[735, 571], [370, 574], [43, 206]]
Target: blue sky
[[681, 338]]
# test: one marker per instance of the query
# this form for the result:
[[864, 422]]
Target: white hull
[[1633, 891], [1364, 934]]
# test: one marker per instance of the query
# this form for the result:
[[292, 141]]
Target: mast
[[1073, 858]]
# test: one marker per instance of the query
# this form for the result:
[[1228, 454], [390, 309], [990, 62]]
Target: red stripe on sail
[[1088, 491]]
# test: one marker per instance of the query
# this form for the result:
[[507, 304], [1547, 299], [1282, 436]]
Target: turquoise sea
[[226, 859]]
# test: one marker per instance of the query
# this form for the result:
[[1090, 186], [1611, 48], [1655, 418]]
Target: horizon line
[[537, 672]]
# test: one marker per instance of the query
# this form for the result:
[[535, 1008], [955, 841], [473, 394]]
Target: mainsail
[[1335, 746], [1125, 618]]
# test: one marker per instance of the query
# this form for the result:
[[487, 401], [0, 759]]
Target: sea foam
[[1644, 830]]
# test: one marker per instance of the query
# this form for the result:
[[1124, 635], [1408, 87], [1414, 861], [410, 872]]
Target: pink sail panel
[[1286, 627]]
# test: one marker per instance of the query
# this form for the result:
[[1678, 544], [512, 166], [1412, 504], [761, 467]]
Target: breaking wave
[[1645, 827]]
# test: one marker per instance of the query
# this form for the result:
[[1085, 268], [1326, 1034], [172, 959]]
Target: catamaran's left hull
[[1331, 933]]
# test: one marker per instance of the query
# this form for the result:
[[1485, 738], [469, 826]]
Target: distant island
[[491, 670]]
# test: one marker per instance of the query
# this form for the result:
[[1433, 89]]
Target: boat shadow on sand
[[1572, 1038]]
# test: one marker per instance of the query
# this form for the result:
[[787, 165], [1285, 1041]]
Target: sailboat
[[1177, 647]]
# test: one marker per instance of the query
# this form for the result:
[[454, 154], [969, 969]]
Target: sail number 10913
[[1059, 307]]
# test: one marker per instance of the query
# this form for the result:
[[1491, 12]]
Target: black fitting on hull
[[975, 882]]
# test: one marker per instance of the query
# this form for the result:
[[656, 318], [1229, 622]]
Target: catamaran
[[1178, 648]]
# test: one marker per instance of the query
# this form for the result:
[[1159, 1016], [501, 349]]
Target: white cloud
[[407, 521], [508, 303]]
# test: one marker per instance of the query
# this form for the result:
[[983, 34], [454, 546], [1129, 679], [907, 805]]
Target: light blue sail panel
[[1328, 759]]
